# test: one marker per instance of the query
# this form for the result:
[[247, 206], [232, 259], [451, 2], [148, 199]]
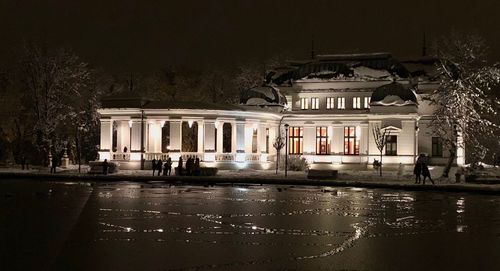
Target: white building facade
[[328, 107]]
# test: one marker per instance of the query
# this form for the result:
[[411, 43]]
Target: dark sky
[[141, 36]]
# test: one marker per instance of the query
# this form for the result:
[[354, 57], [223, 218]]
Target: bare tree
[[380, 137], [463, 99], [278, 144]]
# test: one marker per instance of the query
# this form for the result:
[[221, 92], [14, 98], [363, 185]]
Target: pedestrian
[[179, 167], [105, 167], [159, 166], [189, 166], [153, 164], [53, 166], [417, 170], [458, 174], [168, 167], [196, 167], [426, 173]]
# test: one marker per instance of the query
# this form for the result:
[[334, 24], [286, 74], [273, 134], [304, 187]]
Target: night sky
[[143, 36]]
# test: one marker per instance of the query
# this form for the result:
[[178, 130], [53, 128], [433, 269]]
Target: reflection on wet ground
[[127, 226]]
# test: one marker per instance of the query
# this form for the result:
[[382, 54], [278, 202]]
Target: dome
[[393, 94], [266, 95]]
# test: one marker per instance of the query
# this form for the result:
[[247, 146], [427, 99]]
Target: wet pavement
[[155, 226]]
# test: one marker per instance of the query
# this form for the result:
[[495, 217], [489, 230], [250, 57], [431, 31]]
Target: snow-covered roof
[[393, 94], [264, 96], [371, 66]]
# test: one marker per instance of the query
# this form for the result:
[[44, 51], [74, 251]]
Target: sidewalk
[[368, 179]]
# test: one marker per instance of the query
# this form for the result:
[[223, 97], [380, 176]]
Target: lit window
[[330, 103], [341, 103], [356, 102], [322, 145], [351, 142], [296, 137], [367, 102], [391, 145], [304, 103], [314, 103]]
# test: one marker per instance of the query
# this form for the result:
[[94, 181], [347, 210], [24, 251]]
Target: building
[[328, 107]]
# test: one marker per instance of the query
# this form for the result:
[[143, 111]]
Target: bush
[[295, 163]]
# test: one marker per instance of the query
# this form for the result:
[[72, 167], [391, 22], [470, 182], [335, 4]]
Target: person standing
[[168, 167], [179, 167], [426, 173], [53, 166], [105, 167], [458, 174], [153, 164], [196, 167], [159, 166], [417, 171]]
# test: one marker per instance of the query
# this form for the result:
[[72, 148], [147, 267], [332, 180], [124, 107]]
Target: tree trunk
[[277, 161], [453, 154], [380, 168]]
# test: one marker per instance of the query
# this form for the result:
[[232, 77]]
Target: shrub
[[295, 163]]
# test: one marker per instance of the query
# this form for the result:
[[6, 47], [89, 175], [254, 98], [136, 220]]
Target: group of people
[[159, 166], [192, 167], [421, 169]]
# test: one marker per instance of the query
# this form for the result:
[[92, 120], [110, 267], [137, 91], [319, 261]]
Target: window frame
[[295, 140], [330, 102], [341, 102], [349, 140], [322, 140], [315, 103], [304, 103], [367, 102], [435, 146], [391, 147], [356, 102]]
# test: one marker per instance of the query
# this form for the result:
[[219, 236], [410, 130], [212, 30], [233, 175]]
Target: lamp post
[[286, 150]]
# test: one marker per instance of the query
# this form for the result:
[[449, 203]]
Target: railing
[[120, 156], [157, 156], [224, 157], [252, 157], [186, 155]]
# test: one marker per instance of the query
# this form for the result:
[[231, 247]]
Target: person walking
[[179, 167], [426, 173], [168, 167], [153, 164], [159, 166], [105, 167]]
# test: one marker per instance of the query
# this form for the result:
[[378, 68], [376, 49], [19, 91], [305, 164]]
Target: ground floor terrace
[[246, 139]]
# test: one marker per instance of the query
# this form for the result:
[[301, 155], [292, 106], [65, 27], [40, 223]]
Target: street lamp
[[286, 150]]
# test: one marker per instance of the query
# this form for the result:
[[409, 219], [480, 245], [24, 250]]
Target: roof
[[393, 94], [341, 65]]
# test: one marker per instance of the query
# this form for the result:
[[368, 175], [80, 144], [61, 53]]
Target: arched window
[[226, 137]]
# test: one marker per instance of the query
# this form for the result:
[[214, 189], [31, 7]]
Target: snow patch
[[392, 100], [363, 71]]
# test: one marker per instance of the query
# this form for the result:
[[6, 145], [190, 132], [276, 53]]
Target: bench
[[322, 174]]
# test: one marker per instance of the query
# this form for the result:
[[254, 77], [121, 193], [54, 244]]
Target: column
[[106, 139], [220, 148], [106, 134], [240, 141], [201, 136], [249, 137], [338, 139], [209, 141], [123, 136]]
